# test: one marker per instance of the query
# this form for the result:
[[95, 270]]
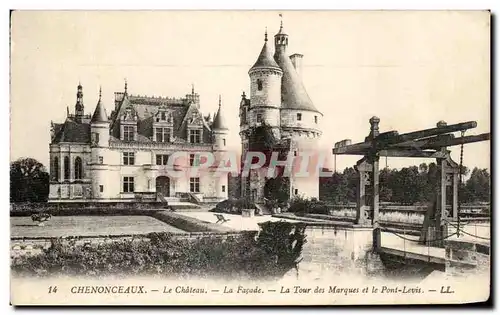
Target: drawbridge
[[440, 222]]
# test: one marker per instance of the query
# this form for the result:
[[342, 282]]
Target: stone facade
[[129, 156]]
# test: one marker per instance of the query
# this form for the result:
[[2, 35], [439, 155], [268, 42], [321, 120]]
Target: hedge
[[276, 251]]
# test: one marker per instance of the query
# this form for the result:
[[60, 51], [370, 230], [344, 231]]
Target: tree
[[478, 186], [277, 189], [29, 181]]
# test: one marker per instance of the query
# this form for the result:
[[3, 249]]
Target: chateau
[[123, 157], [279, 101]]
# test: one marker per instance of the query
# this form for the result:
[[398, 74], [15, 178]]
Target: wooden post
[[363, 168]]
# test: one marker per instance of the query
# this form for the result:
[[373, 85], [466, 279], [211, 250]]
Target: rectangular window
[[159, 135], [166, 134], [294, 153], [192, 160], [163, 134], [195, 136], [224, 142], [315, 119], [163, 116], [128, 158], [299, 116], [128, 184], [101, 188], [259, 117], [296, 191], [161, 159], [101, 160], [194, 184], [128, 133], [223, 188], [95, 138]]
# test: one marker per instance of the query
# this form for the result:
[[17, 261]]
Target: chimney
[[297, 63]]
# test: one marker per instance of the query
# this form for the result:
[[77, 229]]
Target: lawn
[[88, 226]]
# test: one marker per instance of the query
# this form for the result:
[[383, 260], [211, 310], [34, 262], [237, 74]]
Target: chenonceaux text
[[108, 289]]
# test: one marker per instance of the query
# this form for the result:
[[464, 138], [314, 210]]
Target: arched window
[[259, 84], [78, 168], [66, 167], [55, 171]]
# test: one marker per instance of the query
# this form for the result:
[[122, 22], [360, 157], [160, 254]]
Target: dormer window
[[128, 133], [163, 134], [128, 125], [163, 126], [195, 136]]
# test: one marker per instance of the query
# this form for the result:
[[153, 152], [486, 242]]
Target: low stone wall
[[87, 208], [335, 250]]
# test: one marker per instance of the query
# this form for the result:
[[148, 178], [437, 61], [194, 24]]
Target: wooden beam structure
[[427, 143]]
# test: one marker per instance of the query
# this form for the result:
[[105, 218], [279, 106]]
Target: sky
[[411, 69]]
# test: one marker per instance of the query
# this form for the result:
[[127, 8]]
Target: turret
[[99, 125], [265, 90], [220, 130]]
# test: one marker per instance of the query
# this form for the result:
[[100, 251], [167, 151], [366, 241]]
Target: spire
[[100, 91], [126, 88], [100, 112], [192, 88], [79, 101], [281, 25], [281, 38], [219, 121], [265, 59]]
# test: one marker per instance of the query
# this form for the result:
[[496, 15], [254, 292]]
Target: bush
[[233, 206], [301, 205], [270, 256]]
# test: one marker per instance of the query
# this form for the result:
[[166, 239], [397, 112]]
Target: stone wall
[[337, 250]]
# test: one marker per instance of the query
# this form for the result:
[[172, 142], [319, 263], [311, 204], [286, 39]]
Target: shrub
[[233, 206], [272, 254], [301, 205]]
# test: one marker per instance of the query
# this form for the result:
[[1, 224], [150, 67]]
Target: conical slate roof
[[219, 121], [293, 92], [265, 59], [100, 112]]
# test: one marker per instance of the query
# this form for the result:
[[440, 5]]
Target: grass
[[60, 226]]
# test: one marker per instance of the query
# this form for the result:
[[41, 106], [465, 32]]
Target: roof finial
[[219, 101], [126, 86], [100, 92], [192, 88], [281, 23], [265, 35]]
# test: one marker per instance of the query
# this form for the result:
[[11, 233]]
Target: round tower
[[265, 91], [300, 120], [99, 131]]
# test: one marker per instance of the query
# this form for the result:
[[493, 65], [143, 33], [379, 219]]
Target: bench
[[220, 218]]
